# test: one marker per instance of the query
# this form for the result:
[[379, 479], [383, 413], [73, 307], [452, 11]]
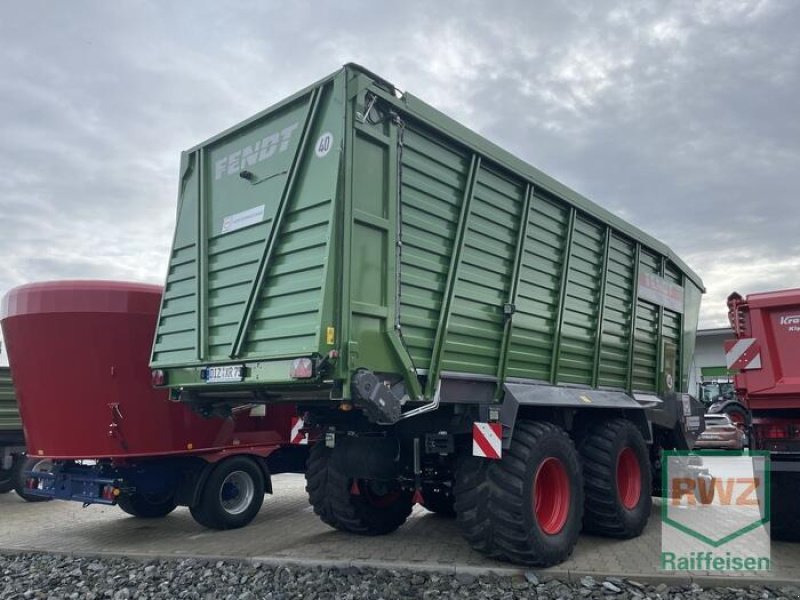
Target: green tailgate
[[9, 414], [250, 256]]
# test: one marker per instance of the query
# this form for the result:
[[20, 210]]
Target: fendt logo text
[[250, 155]]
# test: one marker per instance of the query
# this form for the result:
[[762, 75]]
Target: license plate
[[224, 374]]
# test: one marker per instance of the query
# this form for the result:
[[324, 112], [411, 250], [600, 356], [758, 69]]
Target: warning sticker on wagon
[[243, 219]]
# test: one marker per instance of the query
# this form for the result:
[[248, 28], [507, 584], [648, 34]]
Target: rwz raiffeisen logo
[[249, 155], [715, 511]]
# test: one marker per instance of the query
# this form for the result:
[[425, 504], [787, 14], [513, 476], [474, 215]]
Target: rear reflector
[[302, 368]]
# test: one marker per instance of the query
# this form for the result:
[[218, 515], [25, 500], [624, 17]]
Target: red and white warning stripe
[[487, 440], [297, 436], [743, 354]]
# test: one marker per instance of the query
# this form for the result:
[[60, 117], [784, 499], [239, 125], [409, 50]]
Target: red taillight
[[158, 377], [302, 368], [109, 492]]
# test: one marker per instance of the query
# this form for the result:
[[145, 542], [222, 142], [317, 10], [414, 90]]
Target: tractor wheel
[[440, 502], [147, 506], [527, 507], [617, 480], [231, 496], [365, 507], [737, 415], [24, 463]]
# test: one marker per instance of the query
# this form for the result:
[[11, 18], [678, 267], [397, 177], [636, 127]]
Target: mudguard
[[528, 394]]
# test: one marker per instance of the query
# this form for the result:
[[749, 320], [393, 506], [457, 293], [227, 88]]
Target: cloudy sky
[[681, 117]]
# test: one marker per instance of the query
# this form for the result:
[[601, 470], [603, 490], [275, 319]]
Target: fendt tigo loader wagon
[[462, 330]]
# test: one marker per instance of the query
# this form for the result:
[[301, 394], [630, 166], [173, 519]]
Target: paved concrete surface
[[287, 530]]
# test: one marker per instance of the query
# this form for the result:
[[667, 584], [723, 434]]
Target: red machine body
[[79, 352], [766, 354]]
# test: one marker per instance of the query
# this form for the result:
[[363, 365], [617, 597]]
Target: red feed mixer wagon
[[98, 432]]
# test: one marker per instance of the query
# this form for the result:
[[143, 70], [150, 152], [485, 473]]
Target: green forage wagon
[[457, 328]]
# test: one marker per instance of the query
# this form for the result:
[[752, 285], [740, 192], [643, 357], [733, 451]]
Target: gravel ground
[[55, 576]]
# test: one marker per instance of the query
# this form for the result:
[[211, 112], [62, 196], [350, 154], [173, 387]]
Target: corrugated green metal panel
[[232, 263], [253, 233], [176, 340], [537, 308], [581, 304], [614, 345], [9, 414], [433, 182], [647, 337], [542, 181], [288, 316], [645, 347], [235, 253], [578, 285], [672, 273], [649, 263], [483, 279]]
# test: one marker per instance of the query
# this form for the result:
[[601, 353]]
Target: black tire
[[147, 507], [472, 496], [440, 502], [784, 516], [231, 496], [736, 414], [22, 464], [377, 508], [617, 480], [495, 500]]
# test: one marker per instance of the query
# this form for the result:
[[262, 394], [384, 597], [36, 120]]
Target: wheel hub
[[237, 492], [551, 496], [629, 478]]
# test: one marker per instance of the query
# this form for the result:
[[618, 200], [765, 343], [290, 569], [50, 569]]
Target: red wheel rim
[[737, 419], [551, 496], [629, 478]]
